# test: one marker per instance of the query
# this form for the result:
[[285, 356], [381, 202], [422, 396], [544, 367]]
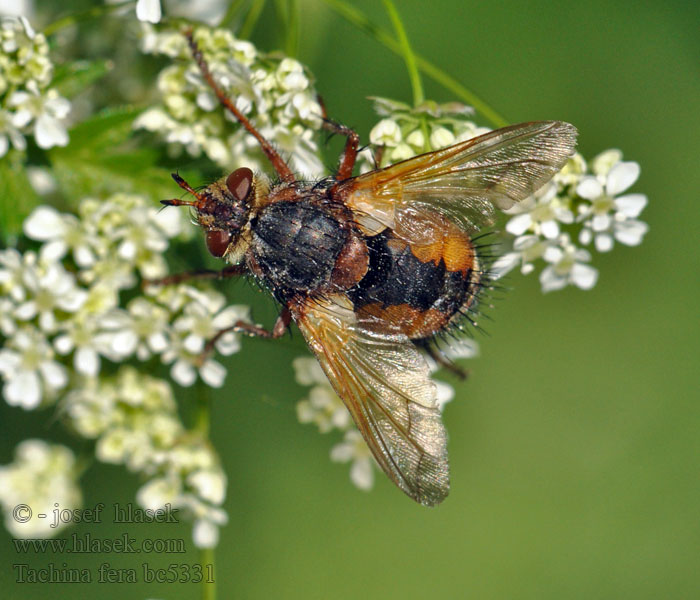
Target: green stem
[[408, 55], [251, 19], [357, 18], [202, 422], [288, 16], [293, 29], [231, 13], [84, 15], [206, 558]]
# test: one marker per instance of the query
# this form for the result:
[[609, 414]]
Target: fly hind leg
[[441, 359]]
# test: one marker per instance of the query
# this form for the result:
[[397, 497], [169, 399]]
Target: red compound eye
[[218, 241], [240, 182]]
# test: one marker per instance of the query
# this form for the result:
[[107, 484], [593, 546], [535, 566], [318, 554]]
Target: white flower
[[210, 484], [29, 370], [567, 267], [322, 407], [385, 133], [610, 217], [47, 111], [441, 137], [10, 134], [275, 94], [43, 476], [307, 371], [91, 408], [543, 218], [354, 449], [148, 10], [50, 288], [208, 520], [8, 326], [146, 331], [60, 232], [205, 317], [12, 267], [90, 336], [160, 491], [571, 172], [526, 250], [445, 393], [24, 54], [205, 533]]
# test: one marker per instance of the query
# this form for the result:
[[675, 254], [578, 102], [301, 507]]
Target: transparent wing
[[384, 382], [465, 183]]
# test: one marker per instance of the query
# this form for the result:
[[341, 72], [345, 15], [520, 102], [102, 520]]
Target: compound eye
[[218, 242], [240, 182]]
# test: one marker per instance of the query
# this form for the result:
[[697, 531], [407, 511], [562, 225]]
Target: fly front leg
[[203, 274], [347, 161], [283, 170], [249, 329]]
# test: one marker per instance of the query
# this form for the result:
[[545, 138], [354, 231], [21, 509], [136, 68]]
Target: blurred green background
[[574, 443]]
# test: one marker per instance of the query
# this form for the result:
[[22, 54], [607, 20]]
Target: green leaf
[[73, 78], [102, 158], [17, 197]]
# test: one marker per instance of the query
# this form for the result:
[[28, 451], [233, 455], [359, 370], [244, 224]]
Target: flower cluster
[[275, 93], [51, 309], [582, 202], [41, 477], [133, 418], [63, 319], [27, 103], [587, 199], [404, 132], [326, 410]]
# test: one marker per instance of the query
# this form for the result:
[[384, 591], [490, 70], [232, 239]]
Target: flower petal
[[519, 224], [504, 264], [50, 132], [148, 10], [584, 276], [603, 242], [631, 205], [630, 233], [205, 534], [589, 188], [550, 229], [213, 373], [44, 223], [55, 374], [621, 176], [550, 281], [86, 361], [361, 474], [24, 389]]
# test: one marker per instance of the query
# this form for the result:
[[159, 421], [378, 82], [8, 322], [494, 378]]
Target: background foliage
[[574, 444]]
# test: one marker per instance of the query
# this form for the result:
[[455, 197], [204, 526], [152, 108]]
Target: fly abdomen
[[296, 245], [416, 297]]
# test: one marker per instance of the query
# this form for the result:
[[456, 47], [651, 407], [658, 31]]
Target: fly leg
[[441, 359], [349, 157], [232, 271], [251, 330], [283, 170]]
